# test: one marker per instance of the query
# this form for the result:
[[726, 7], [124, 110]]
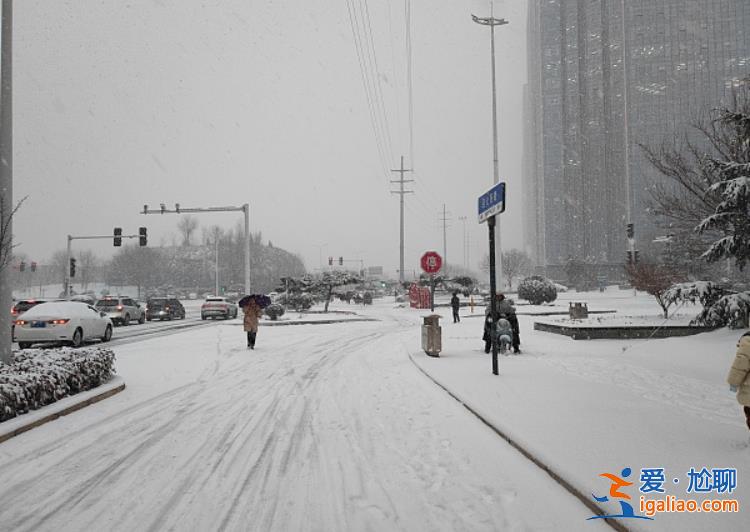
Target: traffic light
[[177, 208], [142, 236], [629, 257], [341, 261], [33, 266], [118, 236], [72, 267], [635, 256], [630, 230], [330, 261], [22, 266]]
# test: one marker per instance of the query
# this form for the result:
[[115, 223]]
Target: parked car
[[68, 322], [121, 309], [217, 306], [22, 305], [164, 308], [84, 298]]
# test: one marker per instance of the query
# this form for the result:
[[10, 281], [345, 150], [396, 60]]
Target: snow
[[332, 427]]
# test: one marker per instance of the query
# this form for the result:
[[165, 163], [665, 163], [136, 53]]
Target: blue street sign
[[491, 202]]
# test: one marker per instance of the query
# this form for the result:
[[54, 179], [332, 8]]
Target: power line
[[377, 84], [364, 74]]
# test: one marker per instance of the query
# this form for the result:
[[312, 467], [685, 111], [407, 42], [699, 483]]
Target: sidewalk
[[586, 408], [63, 407]]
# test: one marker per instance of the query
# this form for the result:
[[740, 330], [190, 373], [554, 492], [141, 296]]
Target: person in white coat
[[739, 375]]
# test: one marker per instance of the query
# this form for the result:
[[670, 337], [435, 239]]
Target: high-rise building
[[593, 97]]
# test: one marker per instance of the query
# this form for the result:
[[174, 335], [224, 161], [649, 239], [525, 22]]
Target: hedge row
[[39, 377]]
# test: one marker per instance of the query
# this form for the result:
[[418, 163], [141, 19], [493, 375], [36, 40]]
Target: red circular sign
[[431, 262]]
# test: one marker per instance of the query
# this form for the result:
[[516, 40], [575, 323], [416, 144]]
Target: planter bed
[[587, 332]]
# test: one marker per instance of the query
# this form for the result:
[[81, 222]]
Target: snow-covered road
[[326, 427]]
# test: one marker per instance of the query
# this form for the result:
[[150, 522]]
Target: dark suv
[[164, 308]]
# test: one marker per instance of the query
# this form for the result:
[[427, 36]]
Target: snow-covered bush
[[730, 310], [721, 307], [296, 301], [537, 290], [39, 377], [274, 311]]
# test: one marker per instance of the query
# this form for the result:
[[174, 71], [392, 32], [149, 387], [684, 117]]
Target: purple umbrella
[[261, 300]]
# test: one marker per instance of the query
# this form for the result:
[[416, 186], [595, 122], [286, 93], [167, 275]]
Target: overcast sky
[[222, 102]]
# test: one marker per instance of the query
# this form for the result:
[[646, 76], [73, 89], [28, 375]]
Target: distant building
[[681, 57]]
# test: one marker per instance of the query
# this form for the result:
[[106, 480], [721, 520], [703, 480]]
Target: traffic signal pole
[[68, 253], [245, 208]]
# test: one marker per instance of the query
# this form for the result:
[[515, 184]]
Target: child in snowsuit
[[739, 375], [506, 308], [250, 321]]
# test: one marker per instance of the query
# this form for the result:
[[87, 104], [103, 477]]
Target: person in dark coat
[[455, 305], [503, 308]]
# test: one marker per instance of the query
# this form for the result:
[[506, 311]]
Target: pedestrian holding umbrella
[[252, 306]]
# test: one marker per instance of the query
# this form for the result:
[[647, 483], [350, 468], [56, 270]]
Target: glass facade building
[[605, 76]]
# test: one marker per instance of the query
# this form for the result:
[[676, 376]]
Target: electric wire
[[365, 83]]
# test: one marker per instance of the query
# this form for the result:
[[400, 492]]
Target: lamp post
[[466, 249], [492, 22], [320, 254]]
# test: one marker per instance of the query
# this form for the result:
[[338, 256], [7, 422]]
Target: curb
[[312, 322], [575, 492], [63, 407]]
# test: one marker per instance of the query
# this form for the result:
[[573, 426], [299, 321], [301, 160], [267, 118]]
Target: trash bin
[[578, 311], [431, 335]]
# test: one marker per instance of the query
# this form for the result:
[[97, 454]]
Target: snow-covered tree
[[707, 185], [515, 263], [654, 279], [187, 226], [721, 306], [732, 215], [320, 284]]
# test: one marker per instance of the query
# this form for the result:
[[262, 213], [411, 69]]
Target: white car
[[61, 322], [218, 307]]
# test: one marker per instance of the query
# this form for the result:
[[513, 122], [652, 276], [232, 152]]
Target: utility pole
[[6, 179], [492, 22], [401, 192], [444, 219]]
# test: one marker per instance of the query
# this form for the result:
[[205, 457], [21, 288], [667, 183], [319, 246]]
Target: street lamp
[[320, 254], [492, 22], [466, 249]]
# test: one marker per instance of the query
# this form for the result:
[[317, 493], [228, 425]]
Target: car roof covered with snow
[[59, 308]]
